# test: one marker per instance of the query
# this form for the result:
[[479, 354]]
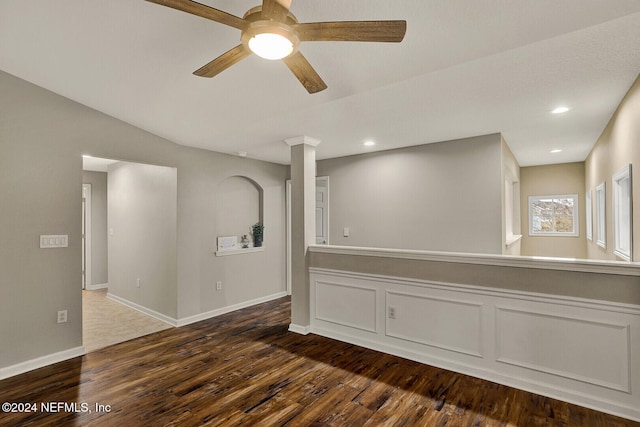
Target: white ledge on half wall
[[240, 251], [542, 263]]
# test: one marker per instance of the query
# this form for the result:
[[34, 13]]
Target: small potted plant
[[257, 230]]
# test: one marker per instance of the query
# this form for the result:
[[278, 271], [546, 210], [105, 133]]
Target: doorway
[[110, 314], [322, 210]]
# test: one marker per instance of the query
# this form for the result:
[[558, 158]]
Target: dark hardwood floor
[[245, 368]]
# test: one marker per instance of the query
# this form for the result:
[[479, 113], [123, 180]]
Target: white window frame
[[589, 215], [623, 213], [512, 211], [576, 223], [601, 213]]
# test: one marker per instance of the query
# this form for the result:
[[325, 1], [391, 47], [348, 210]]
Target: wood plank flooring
[[246, 369]]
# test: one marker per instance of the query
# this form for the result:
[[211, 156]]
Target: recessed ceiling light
[[557, 150], [560, 110], [369, 143]]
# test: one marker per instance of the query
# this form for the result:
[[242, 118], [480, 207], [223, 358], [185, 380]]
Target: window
[[601, 225], [622, 215], [589, 212], [512, 211], [553, 215]]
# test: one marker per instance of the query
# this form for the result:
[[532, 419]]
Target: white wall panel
[[439, 322], [346, 305], [579, 348]]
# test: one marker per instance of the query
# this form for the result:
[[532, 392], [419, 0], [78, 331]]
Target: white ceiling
[[465, 68]]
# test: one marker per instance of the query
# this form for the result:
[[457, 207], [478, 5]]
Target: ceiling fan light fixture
[[270, 46], [270, 39]]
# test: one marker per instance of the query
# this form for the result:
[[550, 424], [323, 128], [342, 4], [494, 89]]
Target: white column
[[303, 226]]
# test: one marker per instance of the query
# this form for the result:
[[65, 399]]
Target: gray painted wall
[[238, 206], [244, 277], [142, 235], [444, 197], [616, 147], [42, 139], [99, 260], [549, 180]]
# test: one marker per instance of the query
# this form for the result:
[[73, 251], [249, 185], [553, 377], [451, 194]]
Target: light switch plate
[[62, 316], [49, 241]]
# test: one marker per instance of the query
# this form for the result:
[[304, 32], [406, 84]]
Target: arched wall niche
[[240, 204]]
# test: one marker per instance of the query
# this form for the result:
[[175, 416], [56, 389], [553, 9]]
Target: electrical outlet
[[138, 282], [62, 316], [392, 312], [218, 285]]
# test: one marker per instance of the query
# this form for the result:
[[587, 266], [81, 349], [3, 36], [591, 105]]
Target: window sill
[[554, 235], [512, 239], [240, 251]]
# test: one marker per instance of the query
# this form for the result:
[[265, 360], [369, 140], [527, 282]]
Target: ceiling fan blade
[[204, 12], [357, 31], [301, 68], [275, 10], [223, 62]]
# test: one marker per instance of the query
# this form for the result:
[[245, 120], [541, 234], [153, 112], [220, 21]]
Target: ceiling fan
[[272, 32]]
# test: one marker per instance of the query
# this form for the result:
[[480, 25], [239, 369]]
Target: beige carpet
[[106, 322]]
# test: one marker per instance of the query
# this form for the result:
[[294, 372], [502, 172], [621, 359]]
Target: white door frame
[[288, 237], [86, 236], [325, 212]]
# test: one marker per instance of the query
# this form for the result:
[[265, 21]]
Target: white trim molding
[[220, 311], [535, 262], [142, 309], [97, 287], [183, 321], [623, 213], [302, 330], [303, 139], [240, 251], [40, 362], [601, 215]]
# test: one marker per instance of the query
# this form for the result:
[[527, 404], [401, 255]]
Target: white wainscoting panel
[[578, 350], [583, 349], [439, 322], [346, 305]]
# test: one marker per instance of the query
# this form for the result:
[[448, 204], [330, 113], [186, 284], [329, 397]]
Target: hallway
[[106, 322]]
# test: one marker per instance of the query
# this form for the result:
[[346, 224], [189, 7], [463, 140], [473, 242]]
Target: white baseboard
[[96, 287], [219, 311], [149, 312], [30, 365], [302, 330]]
